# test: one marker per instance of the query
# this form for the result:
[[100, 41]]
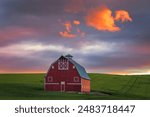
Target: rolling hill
[[103, 87]]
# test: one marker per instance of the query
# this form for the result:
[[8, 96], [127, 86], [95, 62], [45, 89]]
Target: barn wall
[[63, 75], [85, 85], [53, 87], [68, 87], [74, 87]]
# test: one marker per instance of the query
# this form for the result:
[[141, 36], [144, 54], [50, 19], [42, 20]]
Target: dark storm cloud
[[40, 62], [36, 62], [20, 64], [120, 60], [44, 18], [34, 7], [40, 15]]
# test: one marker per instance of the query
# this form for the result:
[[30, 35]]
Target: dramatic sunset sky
[[105, 36]]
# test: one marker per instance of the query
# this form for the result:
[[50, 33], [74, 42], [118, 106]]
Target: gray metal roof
[[80, 69]]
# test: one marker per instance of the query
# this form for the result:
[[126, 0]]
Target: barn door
[[62, 86]]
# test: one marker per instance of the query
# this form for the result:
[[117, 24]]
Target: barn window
[[52, 67], [76, 79], [63, 64], [50, 79]]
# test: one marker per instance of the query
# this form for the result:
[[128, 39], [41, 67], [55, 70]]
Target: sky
[[104, 36]]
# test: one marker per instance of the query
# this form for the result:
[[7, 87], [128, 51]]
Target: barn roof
[[79, 68]]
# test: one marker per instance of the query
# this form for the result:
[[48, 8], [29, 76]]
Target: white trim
[[73, 83], [63, 62], [63, 84], [53, 67], [52, 83]]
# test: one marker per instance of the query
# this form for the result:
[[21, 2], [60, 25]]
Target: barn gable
[[67, 75], [80, 69]]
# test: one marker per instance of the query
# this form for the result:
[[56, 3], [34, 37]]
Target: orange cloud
[[69, 29], [67, 34], [68, 26], [122, 15], [76, 22], [101, 19]]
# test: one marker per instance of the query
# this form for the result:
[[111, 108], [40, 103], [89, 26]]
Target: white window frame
[[74, 79], [53, 67], [50, 79]]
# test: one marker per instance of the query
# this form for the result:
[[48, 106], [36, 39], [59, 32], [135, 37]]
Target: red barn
[[67, 75]]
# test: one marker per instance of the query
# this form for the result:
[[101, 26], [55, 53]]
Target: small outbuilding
[[67, 75]]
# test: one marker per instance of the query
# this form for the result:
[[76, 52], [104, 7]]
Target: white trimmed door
[[62, 86]]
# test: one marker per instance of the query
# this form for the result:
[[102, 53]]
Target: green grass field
[[30, 87]]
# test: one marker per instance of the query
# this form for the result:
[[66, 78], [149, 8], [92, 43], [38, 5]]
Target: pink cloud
[[16, 32]]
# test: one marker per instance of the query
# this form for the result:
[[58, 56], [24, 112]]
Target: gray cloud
[[45, 18]]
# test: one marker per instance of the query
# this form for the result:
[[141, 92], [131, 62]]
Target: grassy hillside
[[30, 86]]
